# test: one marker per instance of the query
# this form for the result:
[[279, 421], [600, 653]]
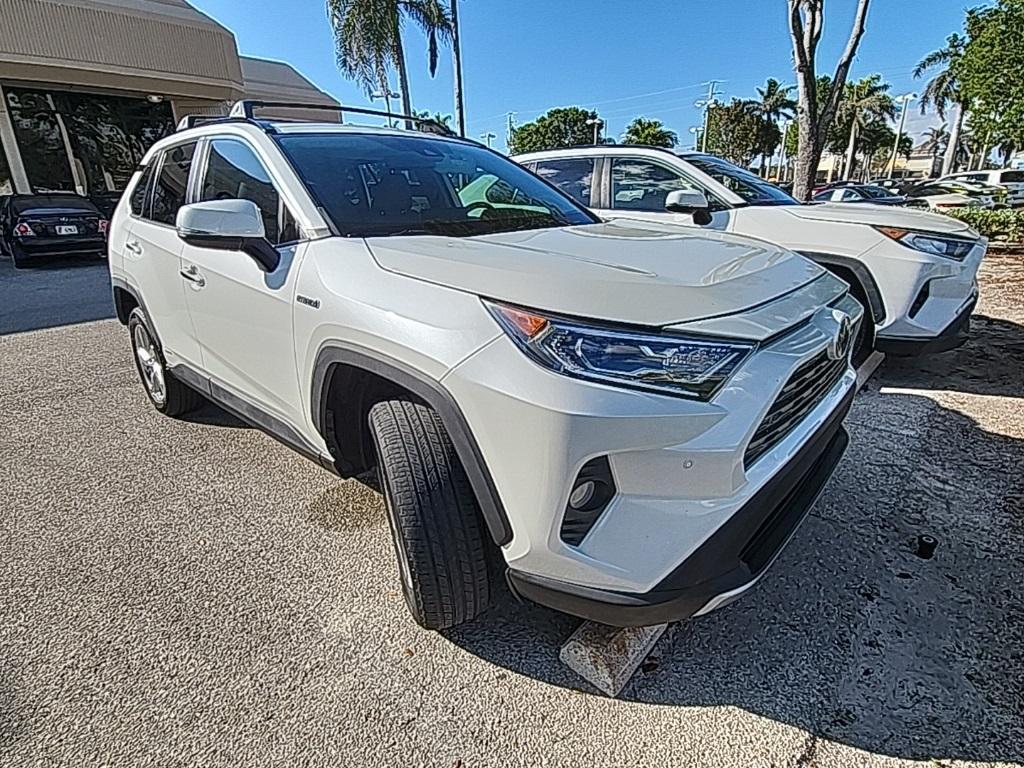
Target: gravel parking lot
[[179, 593]]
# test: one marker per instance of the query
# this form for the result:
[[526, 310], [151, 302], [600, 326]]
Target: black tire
[[438, 531], [177, 398], [17, 257], [864, 344]]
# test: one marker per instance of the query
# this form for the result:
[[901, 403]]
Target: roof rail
[[245, 108], [191, 121]]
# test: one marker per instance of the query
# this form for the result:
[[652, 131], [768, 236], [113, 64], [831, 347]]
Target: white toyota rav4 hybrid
[[631, 418], [914, 271]]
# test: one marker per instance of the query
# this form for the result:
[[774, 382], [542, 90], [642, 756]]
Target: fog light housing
[[593, 489]]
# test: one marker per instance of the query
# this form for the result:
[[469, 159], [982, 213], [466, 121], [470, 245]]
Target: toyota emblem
[[839, 347]]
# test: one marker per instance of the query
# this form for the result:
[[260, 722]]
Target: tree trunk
[[949, 160], [403, 76], [808, 155], [851, 152]]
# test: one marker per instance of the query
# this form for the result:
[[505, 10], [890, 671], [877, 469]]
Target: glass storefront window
[[84, 142], [6, 182]]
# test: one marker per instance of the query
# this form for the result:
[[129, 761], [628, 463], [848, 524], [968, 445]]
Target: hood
[[879, 215], [625, 272]]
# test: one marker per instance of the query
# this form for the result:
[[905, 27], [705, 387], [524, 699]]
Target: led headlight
[[930, 242], [673, 365]]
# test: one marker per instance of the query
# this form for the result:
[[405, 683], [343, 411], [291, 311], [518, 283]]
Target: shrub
[[1006, 225]]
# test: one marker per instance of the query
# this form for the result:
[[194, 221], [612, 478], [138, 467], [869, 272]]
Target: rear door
[[575, 176], [243, 315], [152, 254]]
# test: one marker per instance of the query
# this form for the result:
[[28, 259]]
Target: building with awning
[[86, 86]]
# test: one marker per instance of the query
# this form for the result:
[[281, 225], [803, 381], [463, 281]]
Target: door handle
[[134, 247], [191, 273]]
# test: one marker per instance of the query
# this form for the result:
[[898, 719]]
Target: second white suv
[[632, 419], [914, 271]]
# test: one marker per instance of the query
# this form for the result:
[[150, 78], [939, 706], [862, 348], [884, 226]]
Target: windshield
[[374, 185], [52, 204], [752, 189], [874, 192]]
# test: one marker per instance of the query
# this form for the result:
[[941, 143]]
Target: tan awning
[[163, 47]]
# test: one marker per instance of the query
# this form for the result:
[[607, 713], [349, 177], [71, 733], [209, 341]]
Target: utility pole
[[488, 137], [387, 95], [706, 105], [510, 130], [905, 99], [460, 106]]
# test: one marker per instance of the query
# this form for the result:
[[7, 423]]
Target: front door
[[243, 315], [639, 187]]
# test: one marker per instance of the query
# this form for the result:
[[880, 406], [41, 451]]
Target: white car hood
[[878, 215], [626, 272]]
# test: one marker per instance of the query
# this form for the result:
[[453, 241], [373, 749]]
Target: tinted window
[[375, 185], [1011, 177], [875, 192], [848, 195], [641, 185], [51, 203], [233, 171], [138, 198], [572, 175], [171, 183], [753, 190]]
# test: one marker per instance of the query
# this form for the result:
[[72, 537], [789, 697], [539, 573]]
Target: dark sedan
[[860, 193], [52, 224]]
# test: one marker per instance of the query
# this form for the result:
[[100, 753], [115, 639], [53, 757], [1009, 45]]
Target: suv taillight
[[23, 230]]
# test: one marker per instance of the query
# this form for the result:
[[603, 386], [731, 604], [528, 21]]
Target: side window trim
[[150, 192], [148, 173]]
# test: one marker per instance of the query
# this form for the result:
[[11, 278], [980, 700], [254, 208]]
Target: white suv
[[915, 271], [1011, 179], [632, 418]]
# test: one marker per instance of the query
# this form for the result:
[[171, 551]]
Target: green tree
[[437, 117], [773, 103], [943, 90], [990, 70], [735, 132], [368, 39], [864, 102], [652, 133], [559, 128], [876, 141]]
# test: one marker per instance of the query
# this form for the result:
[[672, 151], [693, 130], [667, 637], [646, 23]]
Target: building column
[[11, 151]]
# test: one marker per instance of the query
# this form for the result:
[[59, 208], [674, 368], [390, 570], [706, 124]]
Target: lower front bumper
[[734, 557], [951, 337]]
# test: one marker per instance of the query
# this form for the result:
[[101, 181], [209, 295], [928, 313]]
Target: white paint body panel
[[834, 229]]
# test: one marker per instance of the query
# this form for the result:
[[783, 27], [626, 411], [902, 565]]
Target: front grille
[[804, 390]]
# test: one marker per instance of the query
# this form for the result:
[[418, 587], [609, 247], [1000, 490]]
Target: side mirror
[[228, 225], [689, 201]]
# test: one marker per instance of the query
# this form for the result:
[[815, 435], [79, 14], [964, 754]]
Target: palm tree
[[863, 102], [652, 133], [944, 90], [437, 117], [773, 103], [368, 37], [936, 139]]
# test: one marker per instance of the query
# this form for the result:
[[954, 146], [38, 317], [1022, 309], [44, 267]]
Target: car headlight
[[930, 242], [668, 364]]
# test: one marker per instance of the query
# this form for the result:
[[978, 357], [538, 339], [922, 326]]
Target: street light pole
[[597, 123], [460, 106], [488, 137], [906, 99], [387, 95]]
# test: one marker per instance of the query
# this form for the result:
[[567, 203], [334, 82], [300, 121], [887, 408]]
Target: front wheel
[[168, 395], [438, 531]]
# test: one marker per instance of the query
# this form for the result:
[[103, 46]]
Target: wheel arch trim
[[867, 281], [434, 394]]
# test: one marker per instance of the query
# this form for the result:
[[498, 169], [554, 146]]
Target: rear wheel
[[168, 395], [436, 525]]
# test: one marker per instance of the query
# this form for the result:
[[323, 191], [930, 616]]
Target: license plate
[[67, 229]]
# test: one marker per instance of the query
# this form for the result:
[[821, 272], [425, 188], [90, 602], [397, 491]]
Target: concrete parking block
[[606, 657]]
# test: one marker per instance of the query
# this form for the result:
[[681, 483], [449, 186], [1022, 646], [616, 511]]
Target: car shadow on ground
[[852, 636], [990, 363]]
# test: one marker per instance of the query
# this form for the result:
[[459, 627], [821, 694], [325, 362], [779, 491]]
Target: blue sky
[[622, 58]]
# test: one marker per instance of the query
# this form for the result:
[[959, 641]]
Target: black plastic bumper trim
[[735, 555], [951, 337]]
